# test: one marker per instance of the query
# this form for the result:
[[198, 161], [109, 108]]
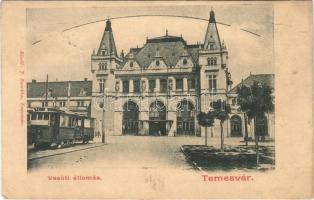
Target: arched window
[[236, 126], [185, 118], [130, 118]]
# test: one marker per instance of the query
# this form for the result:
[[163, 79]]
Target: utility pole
[[212, 98], [46, 97], [103, 138]]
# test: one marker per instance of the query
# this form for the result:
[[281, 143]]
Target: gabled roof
[[166, 38], [59, 89], [193, 50], [169, 48], [267, 79]]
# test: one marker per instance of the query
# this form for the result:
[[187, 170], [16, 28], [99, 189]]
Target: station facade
[[159, 88]]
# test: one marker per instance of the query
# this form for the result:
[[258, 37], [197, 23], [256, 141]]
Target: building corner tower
[[104, 63], [213, 63]]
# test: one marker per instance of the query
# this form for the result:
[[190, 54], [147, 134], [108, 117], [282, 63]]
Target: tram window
[[75, 121], [79, 122], [40, 116], [67, 121], [92, 123], [62, 120], [33, 116], [86, 123], [46, 116]]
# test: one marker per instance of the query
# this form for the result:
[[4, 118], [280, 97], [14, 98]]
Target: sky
[[66, 55]]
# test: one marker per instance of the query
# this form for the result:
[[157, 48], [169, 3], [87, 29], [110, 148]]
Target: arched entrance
[[236, 126], [130, 118], [157, 118], [185, 118], [261, 126]]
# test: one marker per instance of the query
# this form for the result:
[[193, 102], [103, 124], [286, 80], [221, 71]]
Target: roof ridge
[[60, 81]]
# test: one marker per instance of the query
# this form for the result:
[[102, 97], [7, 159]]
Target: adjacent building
[[265, 126], [74, 96]]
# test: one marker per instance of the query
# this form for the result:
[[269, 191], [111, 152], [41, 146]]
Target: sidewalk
[[233, 141], [53, 152]]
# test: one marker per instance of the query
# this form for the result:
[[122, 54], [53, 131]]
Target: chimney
[[33, 80]]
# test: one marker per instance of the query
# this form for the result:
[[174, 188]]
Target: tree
[[244, 99], [221, 112], [206, 120], [255, 100]]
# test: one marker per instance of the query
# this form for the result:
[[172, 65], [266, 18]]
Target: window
[[152, 85], [80, 104], [125, 85], [211, 47], [29, 104], [131, 64], [44, 104], [163, 85], [137, 86], [62, 120], [212, 61], [101, 85], [33, 116], [46, 116], [234, 101], [87, 123], [79, 122], [191, 84], [40, 116], [179, 84], [157, 63], [103, 66], [212, 82], [62, 104], [185, 61]]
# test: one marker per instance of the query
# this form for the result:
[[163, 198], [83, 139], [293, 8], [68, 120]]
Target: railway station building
[[156, 89], [159, 88]]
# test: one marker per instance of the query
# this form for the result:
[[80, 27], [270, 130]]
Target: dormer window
[[185, 61], [157, 63], [82, 92]]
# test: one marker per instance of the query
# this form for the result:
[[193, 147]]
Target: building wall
[[73, 104]]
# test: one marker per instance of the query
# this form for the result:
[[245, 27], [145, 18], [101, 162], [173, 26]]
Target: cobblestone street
[[123, 152]]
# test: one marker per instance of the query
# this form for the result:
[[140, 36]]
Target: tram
[[54, 128]]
